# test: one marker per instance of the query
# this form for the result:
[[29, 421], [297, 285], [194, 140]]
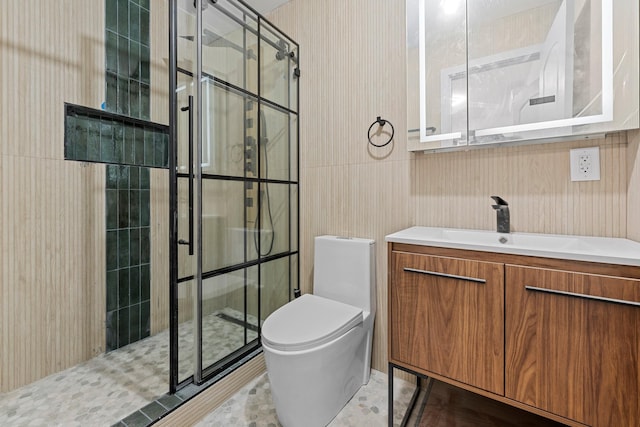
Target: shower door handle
[[181, 241]]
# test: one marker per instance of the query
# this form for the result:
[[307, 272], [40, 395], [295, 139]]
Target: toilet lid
[[307, 322]]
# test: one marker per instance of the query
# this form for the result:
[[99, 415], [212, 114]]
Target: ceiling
[[261, 6], [265, 6]]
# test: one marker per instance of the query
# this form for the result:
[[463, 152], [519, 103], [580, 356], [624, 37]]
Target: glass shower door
[[235, 173]]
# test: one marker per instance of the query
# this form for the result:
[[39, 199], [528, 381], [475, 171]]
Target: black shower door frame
[[195, 179]]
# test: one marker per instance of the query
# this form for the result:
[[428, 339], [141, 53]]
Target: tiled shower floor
[[109, 387]]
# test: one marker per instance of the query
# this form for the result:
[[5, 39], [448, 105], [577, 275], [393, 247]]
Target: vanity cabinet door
[[573, 344], [446, 318], [498, 71]]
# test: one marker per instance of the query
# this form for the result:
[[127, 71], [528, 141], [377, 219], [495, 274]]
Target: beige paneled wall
[[352, 63], [52, 227], [454, 189], [633, 186], [159, 250], [159, 200], [52, 275]]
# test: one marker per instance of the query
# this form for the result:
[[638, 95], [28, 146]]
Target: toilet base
[[310, 387]]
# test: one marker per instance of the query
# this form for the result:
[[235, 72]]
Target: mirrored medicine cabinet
[[486, 72]]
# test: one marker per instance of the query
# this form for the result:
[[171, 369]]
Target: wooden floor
[[443, 405]]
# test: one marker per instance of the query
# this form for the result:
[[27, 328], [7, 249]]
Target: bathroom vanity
[[546, 323]]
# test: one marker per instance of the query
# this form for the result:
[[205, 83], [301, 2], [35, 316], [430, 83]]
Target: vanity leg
[[390, 403]]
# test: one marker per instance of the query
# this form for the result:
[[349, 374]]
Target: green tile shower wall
[[128, 250], [127, 93], [127, 57]]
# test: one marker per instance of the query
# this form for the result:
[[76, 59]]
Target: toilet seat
[[308, 322]]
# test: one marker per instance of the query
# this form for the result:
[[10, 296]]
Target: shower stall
[[233, 162]]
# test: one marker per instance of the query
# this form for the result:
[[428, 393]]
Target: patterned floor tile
[[252, 406]]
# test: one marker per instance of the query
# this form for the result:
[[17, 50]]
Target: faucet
[[502, 211]]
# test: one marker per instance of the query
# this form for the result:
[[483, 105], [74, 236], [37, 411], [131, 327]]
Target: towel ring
[[381, 123]]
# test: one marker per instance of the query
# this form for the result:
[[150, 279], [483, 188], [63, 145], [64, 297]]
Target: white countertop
[[580, 248]]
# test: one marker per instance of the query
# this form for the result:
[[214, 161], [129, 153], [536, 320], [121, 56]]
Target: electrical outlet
[[585, 164]]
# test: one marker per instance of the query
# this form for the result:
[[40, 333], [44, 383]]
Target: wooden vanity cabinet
[[573, 344], [559, 338], [447, 318]]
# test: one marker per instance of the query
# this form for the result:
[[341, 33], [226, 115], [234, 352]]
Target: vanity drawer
[[573, 344], [446, 317]]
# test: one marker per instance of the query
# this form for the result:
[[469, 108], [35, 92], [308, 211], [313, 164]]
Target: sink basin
[[584, 248], [532, 241]]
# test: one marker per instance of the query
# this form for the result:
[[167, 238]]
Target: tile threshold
[[164, 405]]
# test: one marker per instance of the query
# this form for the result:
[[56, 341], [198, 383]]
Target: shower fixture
[[281, 54], [283, 51], [264, 140], [211, 39], [204, 4]]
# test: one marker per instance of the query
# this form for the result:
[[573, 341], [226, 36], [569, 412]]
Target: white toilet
[[318, 347]]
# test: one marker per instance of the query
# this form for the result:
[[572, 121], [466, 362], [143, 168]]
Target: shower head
[[211, 39], [204, 4]]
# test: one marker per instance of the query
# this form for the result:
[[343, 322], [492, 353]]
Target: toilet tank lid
[[351, 239], [308, 322]]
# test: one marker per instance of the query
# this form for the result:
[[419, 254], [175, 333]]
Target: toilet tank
[[344, 270]]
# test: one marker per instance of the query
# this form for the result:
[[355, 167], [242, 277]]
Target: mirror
[[495, 71]]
